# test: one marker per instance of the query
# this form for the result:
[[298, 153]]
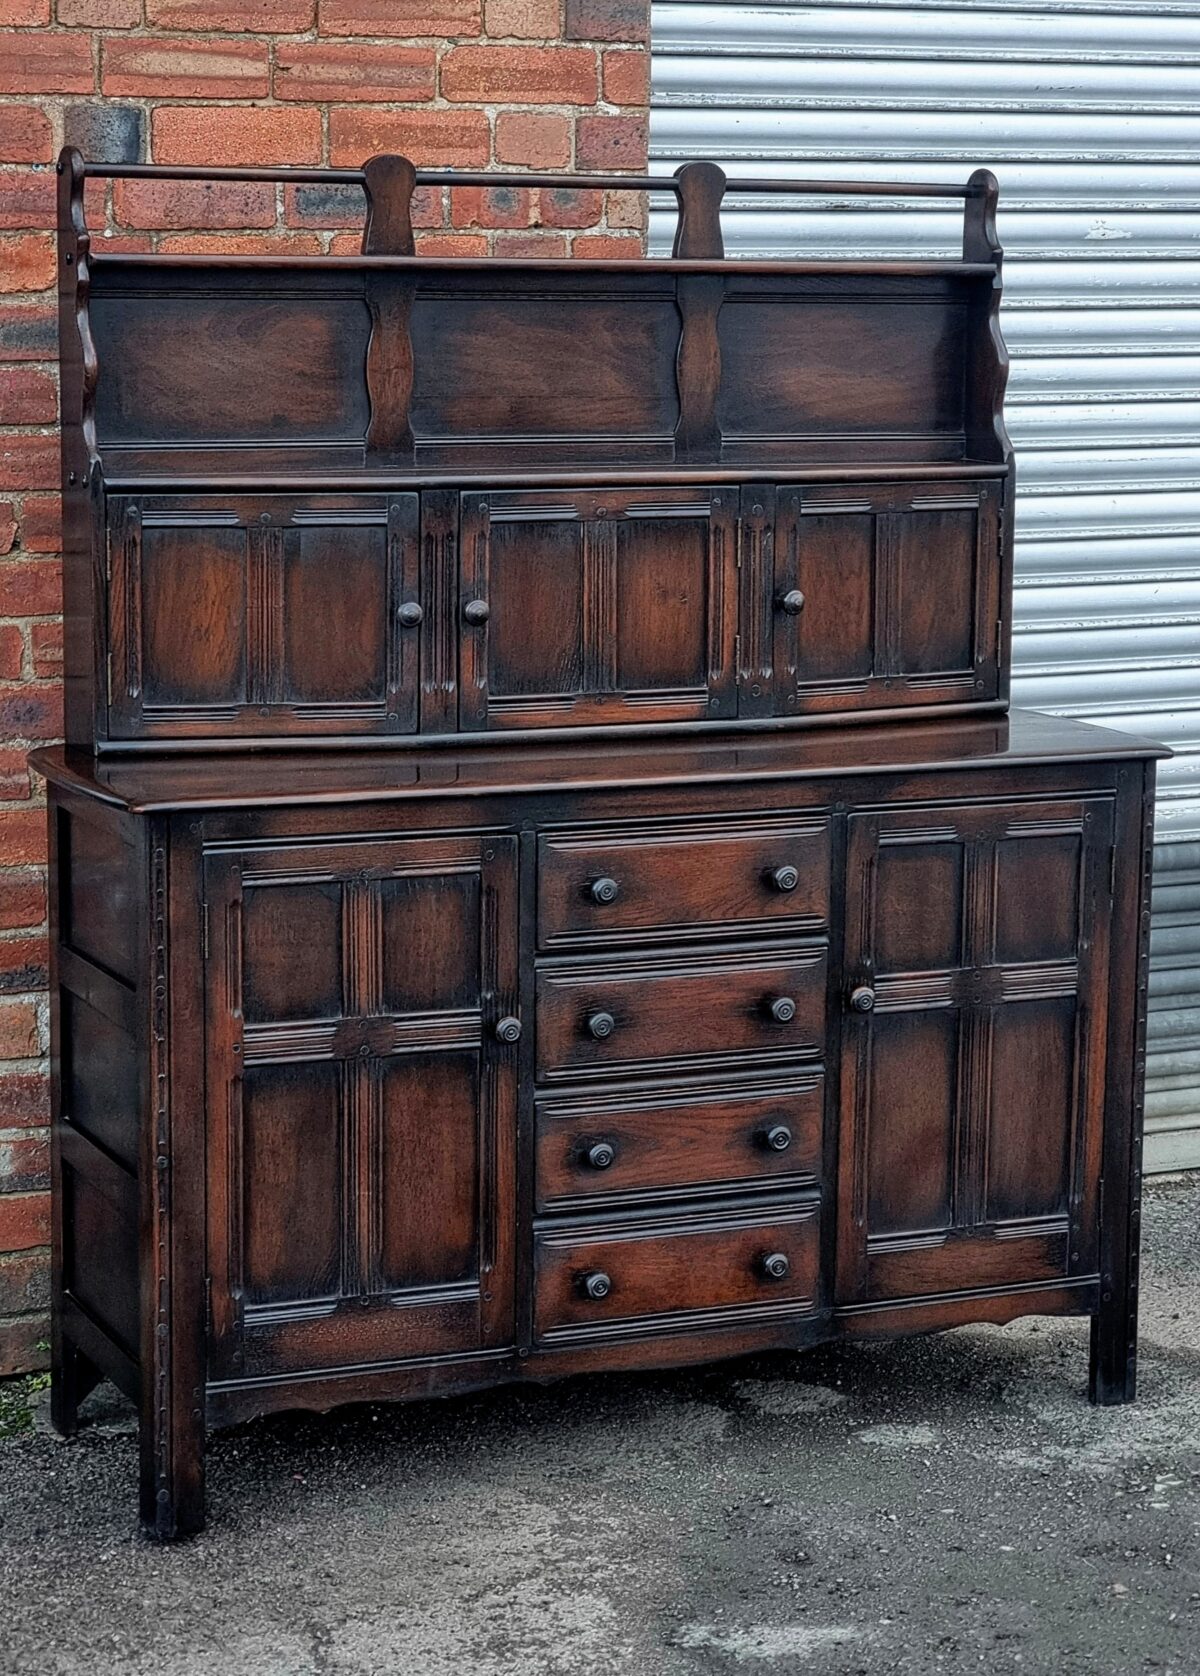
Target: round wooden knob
[[604, 890], [508, 1030], [410, 614], [596, 1285], [785, 878], [862, 999], [782, 1009], [601, 1025], [775, 1265], [477, 611], [601, 1156], [791, 603], [778, 1138]]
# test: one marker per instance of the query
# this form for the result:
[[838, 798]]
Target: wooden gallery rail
[[483, 948]]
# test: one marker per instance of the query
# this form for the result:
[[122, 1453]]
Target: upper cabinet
[[267, 615], [379, 616], [391, 494]]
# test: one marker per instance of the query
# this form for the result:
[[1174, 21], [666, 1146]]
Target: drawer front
[[672, 1138], [710, 1005], [765, 874], [667, 1275]]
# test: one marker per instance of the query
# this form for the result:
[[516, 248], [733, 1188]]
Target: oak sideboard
[[545, 878]]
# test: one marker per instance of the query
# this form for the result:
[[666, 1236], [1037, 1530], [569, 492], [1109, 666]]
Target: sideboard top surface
[[272, 779]]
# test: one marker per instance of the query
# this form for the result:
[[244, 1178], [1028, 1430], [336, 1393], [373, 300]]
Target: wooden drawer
[[700, 1137], [666, 1274], [710, 1005], [684, 880]]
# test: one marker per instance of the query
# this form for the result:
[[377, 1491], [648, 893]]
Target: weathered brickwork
[[518, 84]]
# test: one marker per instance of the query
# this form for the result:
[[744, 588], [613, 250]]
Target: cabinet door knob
[[785, 878], [604, 890], [775, 1265], [601, 1156], [791, 603], [477, 611], [782, 1009], [601, 1025], [410, 614], [777, 1138], [508, 1030], [595, 1285], [862, 999]]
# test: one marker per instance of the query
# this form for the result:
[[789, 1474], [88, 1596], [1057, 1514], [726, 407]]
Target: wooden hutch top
[[388, 450]]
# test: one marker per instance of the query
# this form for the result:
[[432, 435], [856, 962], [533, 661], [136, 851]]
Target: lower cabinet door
[[973, 1047], [362, 1097]]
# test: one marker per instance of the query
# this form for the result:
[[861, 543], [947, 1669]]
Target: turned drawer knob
[[596, 1285], [508, 1030], [601, 1156], [601, 1025], [604, 890], [791, 603], [775, 1265], [785, 878], [477, 611], [862, 999], [782, 1009], [778, 1138], [410, 614]]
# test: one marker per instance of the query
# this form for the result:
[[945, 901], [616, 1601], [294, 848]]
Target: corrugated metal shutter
[[1090, 116]]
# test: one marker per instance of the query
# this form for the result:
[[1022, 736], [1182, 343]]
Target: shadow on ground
[[944, 1505]]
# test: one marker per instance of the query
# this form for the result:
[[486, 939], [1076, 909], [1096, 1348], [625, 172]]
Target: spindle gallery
[[545, 877]]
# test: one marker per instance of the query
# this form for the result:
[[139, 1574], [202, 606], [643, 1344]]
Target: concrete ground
[[938, 1506]]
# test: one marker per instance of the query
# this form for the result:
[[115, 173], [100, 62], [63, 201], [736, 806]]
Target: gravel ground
[[949, 1504]]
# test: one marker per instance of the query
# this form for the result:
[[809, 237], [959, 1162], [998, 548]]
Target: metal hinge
[[108, 675], [208, 1306], [1112, 869], [204, 928]]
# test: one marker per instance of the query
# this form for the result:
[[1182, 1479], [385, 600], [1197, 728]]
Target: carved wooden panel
[[974, 1046], [874, 597], [226, 357], [565, 365], [362, 1108], [262, 615], [612, 606], [843, 369]]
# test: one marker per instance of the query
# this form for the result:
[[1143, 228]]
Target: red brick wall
[[537, 84]]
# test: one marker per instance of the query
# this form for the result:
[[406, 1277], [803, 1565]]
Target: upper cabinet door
[[973, 1046], [602, 607], [265, 615], [869, 597]]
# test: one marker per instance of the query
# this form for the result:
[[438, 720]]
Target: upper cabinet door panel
[[870, 597], [265, 615], [597, 608]]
